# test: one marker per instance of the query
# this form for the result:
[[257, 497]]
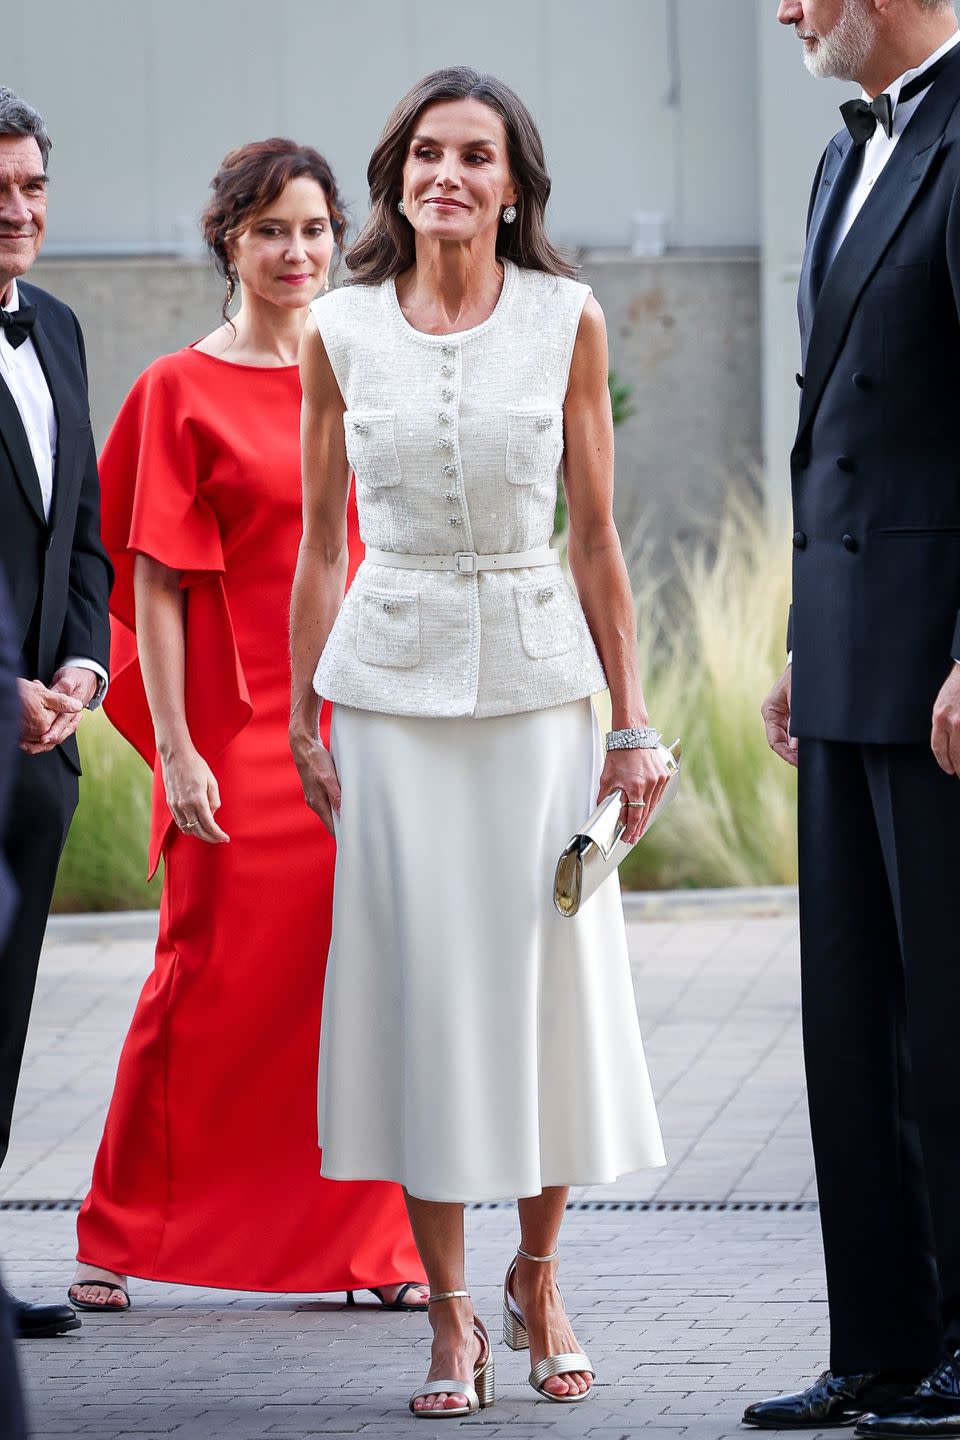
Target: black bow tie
[[17, 324], [861, 117]]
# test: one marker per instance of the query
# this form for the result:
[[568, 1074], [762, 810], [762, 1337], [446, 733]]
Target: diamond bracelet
[[636, 738]]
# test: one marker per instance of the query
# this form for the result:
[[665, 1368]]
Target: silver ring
[[636, 804]]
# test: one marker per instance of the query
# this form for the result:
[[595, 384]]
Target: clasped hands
[[944, 734], [49, 714]]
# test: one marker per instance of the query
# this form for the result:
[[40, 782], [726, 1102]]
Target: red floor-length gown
[[208, 1172]]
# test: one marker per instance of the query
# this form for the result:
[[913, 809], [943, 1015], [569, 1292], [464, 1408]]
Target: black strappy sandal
[[397, 1304], [106, 1308]]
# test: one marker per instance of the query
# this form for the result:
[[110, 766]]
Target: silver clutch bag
[[597, 849]]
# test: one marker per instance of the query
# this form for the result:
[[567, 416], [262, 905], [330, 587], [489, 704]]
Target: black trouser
[[42, 805], [12, 1423], [880, 942]]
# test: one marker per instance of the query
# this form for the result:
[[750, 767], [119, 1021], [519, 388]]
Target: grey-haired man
[[59, 579]]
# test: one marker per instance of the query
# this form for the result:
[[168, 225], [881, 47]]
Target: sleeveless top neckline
[[503, 300]]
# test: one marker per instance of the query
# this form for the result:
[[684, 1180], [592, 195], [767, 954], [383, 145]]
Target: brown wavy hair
[[249, 179], [385, 245]]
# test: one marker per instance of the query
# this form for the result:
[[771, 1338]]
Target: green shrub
[[105, 863], [708, 657]]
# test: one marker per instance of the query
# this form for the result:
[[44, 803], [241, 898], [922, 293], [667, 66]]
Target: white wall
[[644, 104]]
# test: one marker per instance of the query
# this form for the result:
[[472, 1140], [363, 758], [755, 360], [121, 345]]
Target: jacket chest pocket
[[546, 626], [388, 629], [372, 447], [534, 445]]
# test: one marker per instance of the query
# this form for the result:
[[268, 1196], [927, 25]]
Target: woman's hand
[[193, 794], [642, 776], [318, 775]]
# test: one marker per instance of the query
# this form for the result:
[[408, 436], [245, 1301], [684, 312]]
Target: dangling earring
[[401, 207], [509, 215], [326, 283]]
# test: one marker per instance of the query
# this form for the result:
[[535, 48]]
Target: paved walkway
[[689, 1311]]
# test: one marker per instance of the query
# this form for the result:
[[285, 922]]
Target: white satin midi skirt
[[475, 1044]]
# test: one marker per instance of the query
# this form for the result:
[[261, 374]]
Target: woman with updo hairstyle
[[208, 1172], [451, 376]]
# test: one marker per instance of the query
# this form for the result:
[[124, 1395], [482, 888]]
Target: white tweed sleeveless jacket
[[455, 441]]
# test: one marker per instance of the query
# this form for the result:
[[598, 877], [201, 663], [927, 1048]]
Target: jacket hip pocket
[[534, 445], [388, 629], [372, 447], [546, 625]]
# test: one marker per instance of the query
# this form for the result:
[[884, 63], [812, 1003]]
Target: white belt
[[466, 562]]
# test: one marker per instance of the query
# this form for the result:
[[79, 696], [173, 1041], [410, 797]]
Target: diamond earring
[[401, 207], [509, 215]]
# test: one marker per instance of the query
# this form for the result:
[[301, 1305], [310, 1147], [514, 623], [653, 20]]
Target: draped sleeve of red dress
[[208, 1172]]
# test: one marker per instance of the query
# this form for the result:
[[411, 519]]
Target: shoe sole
[[801, 1424], [49, 1332]]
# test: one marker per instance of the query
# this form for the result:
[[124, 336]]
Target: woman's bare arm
[[192, 791], [321, 572], [596, 560]]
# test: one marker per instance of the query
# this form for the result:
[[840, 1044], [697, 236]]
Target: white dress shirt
[[20, 368], [881, 146]]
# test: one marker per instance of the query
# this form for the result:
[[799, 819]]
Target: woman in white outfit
[[504, 1056]]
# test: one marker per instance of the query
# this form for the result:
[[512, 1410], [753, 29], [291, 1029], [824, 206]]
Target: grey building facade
[[663, 120]]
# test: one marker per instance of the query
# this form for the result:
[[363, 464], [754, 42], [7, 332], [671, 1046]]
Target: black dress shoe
[[37, 1322], [831, 1400], [932, 1409]]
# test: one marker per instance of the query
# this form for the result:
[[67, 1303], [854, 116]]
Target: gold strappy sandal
[[483, 1390], [515, 1335]]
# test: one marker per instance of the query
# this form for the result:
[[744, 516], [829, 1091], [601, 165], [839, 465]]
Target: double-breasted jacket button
[[443, 442], [799, 379], [446, 369], [454, 520], [546, 594], [799, 540], [449, 468], [850, 543], [862, 381], [448, 350], [443, 418], [451, 495], [447, 393], [846, 463]]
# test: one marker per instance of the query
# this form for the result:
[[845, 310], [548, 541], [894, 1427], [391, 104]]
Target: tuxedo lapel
[[14, 439], [837, 174], [881, 217]]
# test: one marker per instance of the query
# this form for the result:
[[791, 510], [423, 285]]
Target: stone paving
[[689, 1313]]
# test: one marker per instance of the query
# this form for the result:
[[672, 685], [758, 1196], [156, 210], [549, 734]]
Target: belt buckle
[[466, 561]]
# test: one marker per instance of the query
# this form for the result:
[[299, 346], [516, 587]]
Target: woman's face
[[284, 254], [456, 176]]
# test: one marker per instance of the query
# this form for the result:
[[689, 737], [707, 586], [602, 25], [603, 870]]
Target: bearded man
[[868, 708]]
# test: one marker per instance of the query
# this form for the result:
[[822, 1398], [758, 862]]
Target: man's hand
[[44, 711], [776, 717], [945, 736]]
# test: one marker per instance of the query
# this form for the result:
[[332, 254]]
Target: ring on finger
[[191, 825], [635, 804]]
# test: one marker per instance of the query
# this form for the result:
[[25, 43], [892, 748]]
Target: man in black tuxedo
[[58, 576], [869, 711]]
